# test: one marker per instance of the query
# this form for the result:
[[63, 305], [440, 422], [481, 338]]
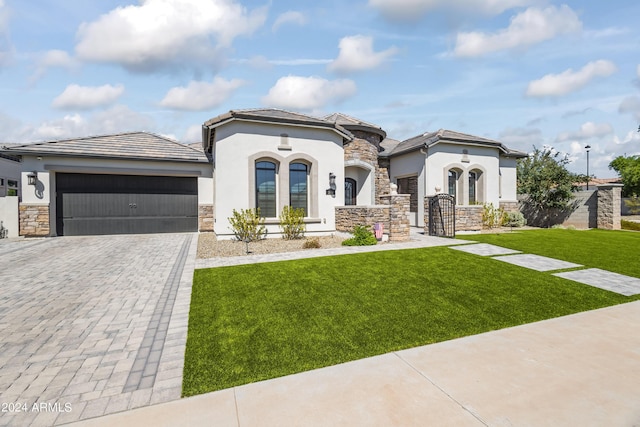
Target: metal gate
[[442, 215]]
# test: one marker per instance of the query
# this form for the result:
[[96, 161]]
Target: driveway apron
[[92, 325]]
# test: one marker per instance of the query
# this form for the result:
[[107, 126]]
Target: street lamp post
[[588, 147]]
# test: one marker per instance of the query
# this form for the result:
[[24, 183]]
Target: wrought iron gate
[[442, 215]]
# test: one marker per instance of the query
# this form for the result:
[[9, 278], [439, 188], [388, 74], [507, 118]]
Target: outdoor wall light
[[331, 191], [32, 178]]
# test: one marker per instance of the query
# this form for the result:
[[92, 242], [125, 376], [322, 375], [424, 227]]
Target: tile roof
[[133, 145], [275, 115], [443, 135], [352, 123]]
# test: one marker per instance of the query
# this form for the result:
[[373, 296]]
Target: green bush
[[558, 226], [491, 216], [292, 223], [362, 236], [513, 219], [312, 243], [630, 225], [248, 225]]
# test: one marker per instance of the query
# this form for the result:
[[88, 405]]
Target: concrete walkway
[[578, 370]]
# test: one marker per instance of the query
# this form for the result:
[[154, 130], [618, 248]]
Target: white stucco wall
[[43, 193], [236, 145], [9, 215], [411, 164], [9, 170], [509, 181], [364, 180]]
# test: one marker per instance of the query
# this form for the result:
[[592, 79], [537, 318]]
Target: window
[[473, 179], [409, 186], [298, 173], [12, 183], [453, 183], [266, 189], [350, 191]]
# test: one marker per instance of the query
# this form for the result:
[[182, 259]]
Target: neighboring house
[[338, 169]]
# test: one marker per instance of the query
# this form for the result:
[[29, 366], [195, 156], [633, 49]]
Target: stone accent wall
[[366, 151], [360, 149], [34, 220], [399, 226], [205, 218], [469, 218], [371, 138], [582, 212], [510, 206], [609, 199], [347, 217]]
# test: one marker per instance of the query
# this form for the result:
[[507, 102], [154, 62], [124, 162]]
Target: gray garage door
[[125, 204]]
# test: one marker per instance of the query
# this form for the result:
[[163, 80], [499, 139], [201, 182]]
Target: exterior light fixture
[[588, 147], [331, 191], [32, 178]]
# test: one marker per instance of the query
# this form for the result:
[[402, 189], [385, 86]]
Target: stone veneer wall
[[609, 199], [205, 218], [365, 149], [510, 206], [34, 220], [469, 218], [347, 217], [399, 226]]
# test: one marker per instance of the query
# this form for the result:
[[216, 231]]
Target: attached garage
[[88, 204]]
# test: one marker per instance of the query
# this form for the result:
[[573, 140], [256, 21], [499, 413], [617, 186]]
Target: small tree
[[248, 225], [292, 223], [628, 168], [544, 177]]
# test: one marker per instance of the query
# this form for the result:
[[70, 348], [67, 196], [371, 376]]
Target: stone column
[[399, 226], [609, 199], [34, 220], [205, 218]]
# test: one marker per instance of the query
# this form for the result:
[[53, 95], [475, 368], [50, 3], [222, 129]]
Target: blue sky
[[524, 72]]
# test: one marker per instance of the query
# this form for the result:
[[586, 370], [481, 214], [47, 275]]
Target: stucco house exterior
[[337, 168], [9, 175]]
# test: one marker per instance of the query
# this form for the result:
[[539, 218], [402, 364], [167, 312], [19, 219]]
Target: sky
[[524, 72]]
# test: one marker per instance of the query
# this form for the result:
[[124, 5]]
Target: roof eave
[[103, 156]]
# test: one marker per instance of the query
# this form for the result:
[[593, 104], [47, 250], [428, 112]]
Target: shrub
[[558, 226], [513, 219], [630, 225], [362, 236], [292, 223], [491, 216], [312, 243], [248, 225]]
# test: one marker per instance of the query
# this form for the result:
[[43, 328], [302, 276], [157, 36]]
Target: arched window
[[453, 183], [298, 186], [266, 188], [350, 191], [473, 191]]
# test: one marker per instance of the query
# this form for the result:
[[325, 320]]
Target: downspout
[[425, 152]]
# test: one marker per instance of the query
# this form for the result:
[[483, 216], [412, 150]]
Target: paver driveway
[[92, 325]]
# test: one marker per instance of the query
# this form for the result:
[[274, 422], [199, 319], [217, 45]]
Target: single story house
[[337, 168], [9, 175]]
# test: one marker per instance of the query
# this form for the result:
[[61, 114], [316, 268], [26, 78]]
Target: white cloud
[[290, 17], [413, 10], [570, 81], [166, 33], [588, 130], [638, 71], [521, 138], [530, 27], [631, 105], [199, 96], [54, 59], [193, 134], [357, 54], [77, 97], [308, 93]]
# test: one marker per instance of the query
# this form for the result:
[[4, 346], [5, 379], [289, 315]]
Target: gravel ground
[[210, 247]]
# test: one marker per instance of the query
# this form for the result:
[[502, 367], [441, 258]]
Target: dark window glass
[[453, 183], [473, 178], [298, 173], [350, 191], [266, 189]]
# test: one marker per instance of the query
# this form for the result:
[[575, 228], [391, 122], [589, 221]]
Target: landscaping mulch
[[210, 247]]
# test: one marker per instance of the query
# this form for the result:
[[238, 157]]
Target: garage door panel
[[124, 204]]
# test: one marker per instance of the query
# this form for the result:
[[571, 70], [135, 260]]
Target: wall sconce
[[331, 191], [32, 178]]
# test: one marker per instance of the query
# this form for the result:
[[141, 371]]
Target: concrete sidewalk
[[582, 369]]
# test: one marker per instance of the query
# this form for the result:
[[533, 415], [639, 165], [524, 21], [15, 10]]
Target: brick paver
[[74, 315], [603, 279]]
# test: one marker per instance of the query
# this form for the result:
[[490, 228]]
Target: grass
[[255, 322], [630, 225], [615, 251]]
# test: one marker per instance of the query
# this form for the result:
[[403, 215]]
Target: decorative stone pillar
[[34, 220], [399, 226], [609, 199], [205, 218]]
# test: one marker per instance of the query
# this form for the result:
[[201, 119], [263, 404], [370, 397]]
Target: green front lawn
[[254, 322], [617, 251]]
